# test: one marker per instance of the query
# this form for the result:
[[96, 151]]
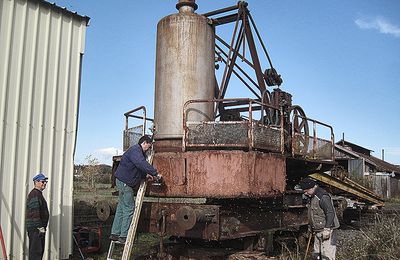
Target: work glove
[[42, 230], [326, 233]]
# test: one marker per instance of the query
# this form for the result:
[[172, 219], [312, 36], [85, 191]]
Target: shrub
[[380, 240]]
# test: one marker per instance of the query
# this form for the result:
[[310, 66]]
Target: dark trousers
[[36, 244]]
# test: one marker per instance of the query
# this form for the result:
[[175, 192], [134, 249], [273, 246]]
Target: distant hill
[[101, 169]]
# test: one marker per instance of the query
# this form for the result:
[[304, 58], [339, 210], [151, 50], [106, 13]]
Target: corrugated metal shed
[[384, 176], [41, 52]]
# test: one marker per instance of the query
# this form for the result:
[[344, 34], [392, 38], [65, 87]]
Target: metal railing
[[245, 133], [311, 146], [132, 134]]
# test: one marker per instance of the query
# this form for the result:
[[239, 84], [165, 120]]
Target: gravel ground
[[346, 236]]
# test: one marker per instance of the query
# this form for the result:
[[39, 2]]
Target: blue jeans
[[124, 212]]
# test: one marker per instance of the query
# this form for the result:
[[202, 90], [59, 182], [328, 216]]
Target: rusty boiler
[[184, 70]]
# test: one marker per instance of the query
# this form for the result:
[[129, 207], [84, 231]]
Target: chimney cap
[[190, 3]]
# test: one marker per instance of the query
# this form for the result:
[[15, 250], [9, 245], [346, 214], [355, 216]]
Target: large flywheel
[[300, 135]]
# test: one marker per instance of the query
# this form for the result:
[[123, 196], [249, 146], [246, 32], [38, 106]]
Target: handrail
[[315, 122], [129, 114]]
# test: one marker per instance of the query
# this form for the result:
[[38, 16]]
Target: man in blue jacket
[[132, 169]]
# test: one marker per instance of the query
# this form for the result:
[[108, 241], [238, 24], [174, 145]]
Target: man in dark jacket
[[323, 219], [37, 217], [132, 169]]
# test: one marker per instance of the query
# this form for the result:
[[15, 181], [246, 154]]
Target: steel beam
[[349, 186]]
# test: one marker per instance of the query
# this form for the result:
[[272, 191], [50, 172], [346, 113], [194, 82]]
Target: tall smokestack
[[383, 154], [185, 70]]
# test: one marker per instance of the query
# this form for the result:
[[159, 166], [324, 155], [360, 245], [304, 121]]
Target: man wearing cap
[[132, 169], [323, 219], [37, 217]]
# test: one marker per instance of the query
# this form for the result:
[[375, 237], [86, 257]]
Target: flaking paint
[[221, 174]]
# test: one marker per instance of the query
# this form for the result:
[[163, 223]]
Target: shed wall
[[382, 185], [41, 52]]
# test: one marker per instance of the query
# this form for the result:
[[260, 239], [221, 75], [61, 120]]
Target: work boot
[[114, 237], [122, 240]]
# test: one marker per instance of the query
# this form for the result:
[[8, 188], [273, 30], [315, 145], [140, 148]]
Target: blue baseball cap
[[40, 177]]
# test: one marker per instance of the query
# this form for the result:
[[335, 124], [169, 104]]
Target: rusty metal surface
[[350, 187], [132, 136], [242, 37], [267, 137], [311, 147], [222, 10], [244, 222], [220, 174], [229, 220], [234, 131], [152, 213], [104, 209], [233, 134], [130, 113], [186, 3], [116, 160], [230, 134], [184, 70], [168, 145]]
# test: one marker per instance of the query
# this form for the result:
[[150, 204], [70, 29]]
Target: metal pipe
[[244, 73], [223, 10], [320, 123], [128, 114], [333, 144], [141, 117], [254, 56], [250, 131], [259, 38], [225, 77], [240, 69], [162, 254], [314, 139], [239, 55]]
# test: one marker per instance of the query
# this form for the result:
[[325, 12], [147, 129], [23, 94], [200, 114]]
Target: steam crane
[[229, 164]]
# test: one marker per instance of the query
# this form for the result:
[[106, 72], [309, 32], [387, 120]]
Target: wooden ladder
[[134, 223]]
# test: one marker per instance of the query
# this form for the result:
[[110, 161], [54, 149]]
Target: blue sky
[[339, 59]]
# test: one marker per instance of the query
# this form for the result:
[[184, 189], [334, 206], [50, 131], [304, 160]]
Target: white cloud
[[380, 24], [104, 155]]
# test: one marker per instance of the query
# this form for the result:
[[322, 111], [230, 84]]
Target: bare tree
[[91, 169]]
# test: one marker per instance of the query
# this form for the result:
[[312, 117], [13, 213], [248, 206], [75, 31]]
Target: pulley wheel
[[186, 217], [103, 210]]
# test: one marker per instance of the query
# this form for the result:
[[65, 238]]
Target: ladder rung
[[111, 249]]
